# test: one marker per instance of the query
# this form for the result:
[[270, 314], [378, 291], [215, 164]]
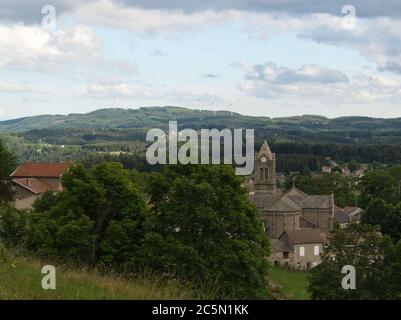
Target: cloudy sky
[[258, 57]]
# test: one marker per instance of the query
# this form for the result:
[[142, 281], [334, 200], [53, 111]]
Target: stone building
[[30, 180], [290, 210], [299, 249], [289, 215]]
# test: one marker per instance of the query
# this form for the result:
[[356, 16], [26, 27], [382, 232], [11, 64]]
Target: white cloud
[[110, 14], [270, 72], [121, 90], [33, 48], [378, 39], [313, 83], [10, 87]]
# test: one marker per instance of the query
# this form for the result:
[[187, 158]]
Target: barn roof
[[41, 170], [34, 185]]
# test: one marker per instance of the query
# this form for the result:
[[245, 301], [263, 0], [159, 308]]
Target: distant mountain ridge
[[158, 117]]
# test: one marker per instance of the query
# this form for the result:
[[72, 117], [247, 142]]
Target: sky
[[257, 57]]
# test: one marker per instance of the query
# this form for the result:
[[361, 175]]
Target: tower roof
[[265, 151]]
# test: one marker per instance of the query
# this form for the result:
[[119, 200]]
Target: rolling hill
[[132, 124]]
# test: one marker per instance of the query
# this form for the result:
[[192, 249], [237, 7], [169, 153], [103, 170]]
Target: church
[[296, 223]]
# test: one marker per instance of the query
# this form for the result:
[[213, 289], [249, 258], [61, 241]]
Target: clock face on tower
[[263, 159]]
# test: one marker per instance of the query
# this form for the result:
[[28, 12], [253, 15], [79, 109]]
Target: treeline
[[364, 153], [293, 154]]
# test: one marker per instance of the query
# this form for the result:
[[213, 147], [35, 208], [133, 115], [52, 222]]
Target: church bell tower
[[265, 170]]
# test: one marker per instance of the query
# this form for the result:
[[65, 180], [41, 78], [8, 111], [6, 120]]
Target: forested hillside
[[136, 121], [304, 142]]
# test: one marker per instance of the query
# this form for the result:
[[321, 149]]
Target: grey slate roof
[[296, 195], [265, 151], [303, 236], [317, 202], [295, 199], [341, 217], [351, 210], [261, 200], [279, 245], [283, 204]]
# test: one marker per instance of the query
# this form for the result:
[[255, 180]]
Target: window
[[267, 174], [301, 251], [316, 250], [261, 173], [285, 255]]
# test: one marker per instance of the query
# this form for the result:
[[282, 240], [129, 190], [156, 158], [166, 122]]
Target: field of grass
[[292, 284], [21, 278]]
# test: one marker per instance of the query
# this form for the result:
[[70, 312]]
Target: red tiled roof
[[41, 170], [34, 185]]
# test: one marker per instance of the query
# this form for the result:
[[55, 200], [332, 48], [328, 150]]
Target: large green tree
[[7, 164], [206, 231], [377, 184], [384, 215], [99, 218], [372, 255]]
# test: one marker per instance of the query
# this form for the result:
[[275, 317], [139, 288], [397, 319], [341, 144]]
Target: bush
[[13, 224]]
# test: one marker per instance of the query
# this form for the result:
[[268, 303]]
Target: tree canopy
[[100, 217], [375, 259], [206, 230], [7, 164]]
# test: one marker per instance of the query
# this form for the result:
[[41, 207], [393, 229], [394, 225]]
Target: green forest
[[304, 143]]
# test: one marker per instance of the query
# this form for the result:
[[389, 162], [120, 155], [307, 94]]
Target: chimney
[[28, 182]]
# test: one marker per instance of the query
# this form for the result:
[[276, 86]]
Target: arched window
[[261, 174], [267, 174]]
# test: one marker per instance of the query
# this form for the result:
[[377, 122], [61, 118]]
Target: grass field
[[20, 279], [293, 284]]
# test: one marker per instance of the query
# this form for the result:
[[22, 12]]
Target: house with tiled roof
[[299, 249], [347, 215], [31, 179]]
